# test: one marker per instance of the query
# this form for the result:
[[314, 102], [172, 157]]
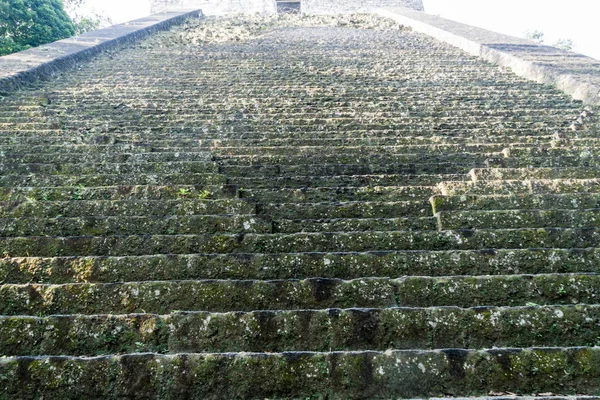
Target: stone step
[[491, 174], [108, 158], [343, 265], [585, 152], [366, 374], [301, 181], [319, 170], [142, 225], [513, 219], [161, 168], [160, 297], [164, 193], [95, 180], [301, 330], [547, 162], [359, 150], [186, 205], [521, 187], [363, 209], [465, 239], [213, 141], [353, 224], [574, 201], [287, 161], [315, 194]]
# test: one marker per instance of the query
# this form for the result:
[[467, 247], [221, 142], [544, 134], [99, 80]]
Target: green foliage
[[535, 35], [31, 23], [564, 44], [538, 37]]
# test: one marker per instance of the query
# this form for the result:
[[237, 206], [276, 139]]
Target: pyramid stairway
[[319, 212]]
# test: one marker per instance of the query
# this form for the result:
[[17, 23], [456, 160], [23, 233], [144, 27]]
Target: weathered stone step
[[353, 224], [110, 158], [361, 150], [348, 265], [367, 374], [367, 159], [575, 201], [298, 211], [491, 174], [160, 297], [379, 137], [521, 187], [513, 219], [339, 194], [301, 181], [187, 204], [112, 179], [138, 225], [571, 151], [360, 138], [548, 162], [117, 193], [465, 239], [84, 149], [376, 167], [130, 168], [302, 330]]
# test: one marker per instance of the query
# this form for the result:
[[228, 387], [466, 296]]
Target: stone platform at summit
[[293, 206]]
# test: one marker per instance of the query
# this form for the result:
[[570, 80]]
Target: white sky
[[572, 19]]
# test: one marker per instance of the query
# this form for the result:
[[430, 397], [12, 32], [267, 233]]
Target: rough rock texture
[[217, 7], [352, 6], [322, 211], [27, 66], [575, 74]]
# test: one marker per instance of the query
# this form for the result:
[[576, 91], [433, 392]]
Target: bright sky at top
[[573, 19]]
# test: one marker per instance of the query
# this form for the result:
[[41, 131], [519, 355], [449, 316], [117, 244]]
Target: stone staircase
[[316, 213]]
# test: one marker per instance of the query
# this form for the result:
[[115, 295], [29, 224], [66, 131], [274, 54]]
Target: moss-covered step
[[403, 149], [83, 149], [492, 174], [187, 204], [236, 295], [521, 186], [120, 192], [562, 201], [355, 209], [353, 224], [301, 181], [297, 265], [135, 245], [139, 225], [513, 219], [130, 168], [304, 330], [110, 158], [338, 194], [586, 152], [361, 138], [94, 180], [378, 159], [318, 169], [548, 162], [370, 374]]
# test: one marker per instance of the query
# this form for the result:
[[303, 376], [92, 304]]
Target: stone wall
[[217, 7], [349, 6]]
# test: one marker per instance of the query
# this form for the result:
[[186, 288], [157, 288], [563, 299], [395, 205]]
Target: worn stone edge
[[437, 27], [96, 41]]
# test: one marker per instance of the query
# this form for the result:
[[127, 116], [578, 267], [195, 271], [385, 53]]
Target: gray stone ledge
[[574, 74], [27, 66]]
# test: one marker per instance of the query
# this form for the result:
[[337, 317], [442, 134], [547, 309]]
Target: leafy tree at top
[[30, 23]]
